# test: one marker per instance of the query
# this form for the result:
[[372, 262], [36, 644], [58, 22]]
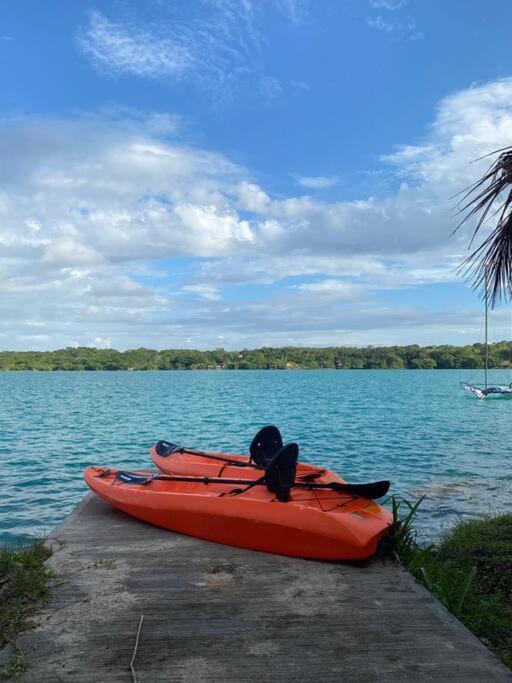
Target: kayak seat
[[279, 477], [131, 478], [165, 448], [265, 445], [281, 471]]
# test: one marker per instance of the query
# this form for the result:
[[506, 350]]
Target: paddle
[[370, 490], [264, 446], [165, 449], [222, 458], [306, 476]]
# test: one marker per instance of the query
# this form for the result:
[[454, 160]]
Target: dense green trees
[[340, 357]]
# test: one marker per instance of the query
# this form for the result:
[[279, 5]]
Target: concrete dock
[[215, 613]]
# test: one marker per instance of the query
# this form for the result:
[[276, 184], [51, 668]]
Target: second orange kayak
[[208, 464], [177, 460]]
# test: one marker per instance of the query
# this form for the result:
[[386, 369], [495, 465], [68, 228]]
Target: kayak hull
[[196, 465], [319, 524]]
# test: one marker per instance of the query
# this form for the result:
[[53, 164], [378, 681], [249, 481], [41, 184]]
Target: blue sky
[[244, 172]]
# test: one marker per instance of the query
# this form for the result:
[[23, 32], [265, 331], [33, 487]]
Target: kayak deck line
[[214, 612]]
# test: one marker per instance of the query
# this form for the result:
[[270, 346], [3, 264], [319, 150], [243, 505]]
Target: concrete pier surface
[[215, 613]]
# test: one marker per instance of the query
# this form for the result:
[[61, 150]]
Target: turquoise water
[[414, 427]]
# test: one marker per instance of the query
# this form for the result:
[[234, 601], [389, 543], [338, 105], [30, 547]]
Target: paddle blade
[[372, 490]]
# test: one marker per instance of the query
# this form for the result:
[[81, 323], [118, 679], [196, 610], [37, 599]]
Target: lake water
[[415, 428]]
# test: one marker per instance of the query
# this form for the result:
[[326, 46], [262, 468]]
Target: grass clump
[[24, 588], [469, 569]]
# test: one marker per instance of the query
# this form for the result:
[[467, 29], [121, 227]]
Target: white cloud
[[271, 88], [218, 47], [67, 252], [129, 49], [318, 182], [406, 29], [208, 230], [388, 4], [381, 24], [90, 208], [252, 197], [102, 343], [35, 323], [205, 291], [300, 86], [338, 290]]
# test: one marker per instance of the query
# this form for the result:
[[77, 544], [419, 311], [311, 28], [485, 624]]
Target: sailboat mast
[[486, 330]]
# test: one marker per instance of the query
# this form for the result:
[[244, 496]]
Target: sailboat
[[485, 391]]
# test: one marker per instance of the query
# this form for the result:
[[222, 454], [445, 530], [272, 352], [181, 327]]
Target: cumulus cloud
[[110, 227], [102, 343]]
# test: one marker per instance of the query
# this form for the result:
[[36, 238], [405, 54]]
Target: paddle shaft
[[221, 458], [238, 463], [370, 490]]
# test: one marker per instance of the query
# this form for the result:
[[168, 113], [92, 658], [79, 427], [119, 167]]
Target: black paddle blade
[[265, 445], [372, 490]]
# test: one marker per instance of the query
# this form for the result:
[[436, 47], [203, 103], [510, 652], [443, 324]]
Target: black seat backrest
[[166, 448], [280, 472], [267, 442]]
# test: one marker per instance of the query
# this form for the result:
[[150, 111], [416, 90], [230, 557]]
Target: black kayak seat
[[280, 472], [265, 445], [166, 448]]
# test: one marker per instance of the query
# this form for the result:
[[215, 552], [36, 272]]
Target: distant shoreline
[[298, 369], [412, 357]]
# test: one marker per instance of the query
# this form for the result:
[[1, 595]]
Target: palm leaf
[[490, 198]]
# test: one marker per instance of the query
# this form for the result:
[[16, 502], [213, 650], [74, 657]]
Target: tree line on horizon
[[334, 357]]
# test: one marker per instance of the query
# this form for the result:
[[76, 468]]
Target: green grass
[[24, 588], [469, 569]]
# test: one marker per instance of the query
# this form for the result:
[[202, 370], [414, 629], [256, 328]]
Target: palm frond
[[490, 198]]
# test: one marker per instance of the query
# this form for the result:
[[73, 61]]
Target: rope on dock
[[132, 669]]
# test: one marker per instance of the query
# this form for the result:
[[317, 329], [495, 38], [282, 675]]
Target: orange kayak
[[225, 465], [176, 460], [318, 523]]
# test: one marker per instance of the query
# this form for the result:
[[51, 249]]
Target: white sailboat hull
[[488, 392]]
